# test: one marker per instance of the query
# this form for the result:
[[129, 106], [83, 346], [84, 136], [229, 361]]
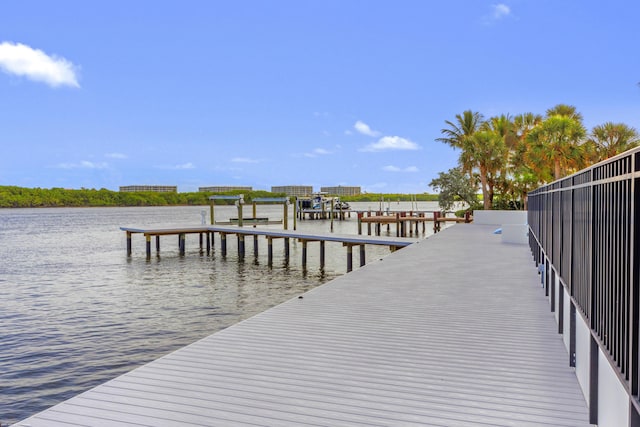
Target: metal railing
[[584, 226]]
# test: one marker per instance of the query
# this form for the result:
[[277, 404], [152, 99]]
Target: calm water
[[75, 311]]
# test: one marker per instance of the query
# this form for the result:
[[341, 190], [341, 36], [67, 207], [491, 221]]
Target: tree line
[[507, 156], [20, 197]]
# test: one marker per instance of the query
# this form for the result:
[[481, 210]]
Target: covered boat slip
[[452, 331]]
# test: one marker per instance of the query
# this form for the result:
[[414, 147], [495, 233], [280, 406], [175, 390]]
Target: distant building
[[341, 191], [224, 188], [293, 190], [154, 188]]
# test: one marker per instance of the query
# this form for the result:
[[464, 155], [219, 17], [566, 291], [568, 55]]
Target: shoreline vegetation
[[21, 197]]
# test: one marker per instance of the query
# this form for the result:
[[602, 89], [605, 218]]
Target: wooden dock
[[452, 331], [405, 222], [206, 238]]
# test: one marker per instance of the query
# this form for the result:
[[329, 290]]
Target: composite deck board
[[452, 331]]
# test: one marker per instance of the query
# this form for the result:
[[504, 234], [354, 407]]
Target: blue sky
[[262, 93]]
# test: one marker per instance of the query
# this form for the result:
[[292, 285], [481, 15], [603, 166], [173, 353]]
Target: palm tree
[[610, 139], [565, 110], [526, 175], [456, 135], [556, 146], [486, 151]]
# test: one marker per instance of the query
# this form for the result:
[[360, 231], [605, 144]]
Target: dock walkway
[[452, 331], [208, 232]]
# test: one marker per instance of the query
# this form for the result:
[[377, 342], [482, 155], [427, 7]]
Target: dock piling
[[349, 258], [304, 254], [223, 244], [181, 242], [148, 239], [286, 250], [128, 243], [241, 246], [255, 245]]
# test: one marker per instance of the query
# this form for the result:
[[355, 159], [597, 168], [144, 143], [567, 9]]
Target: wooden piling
[[286, 250], [304, 254], [285, 216], [181, 243], [295, 214], [209, 236], [270, 251], [148, 239], [157, 244], [240, 246], [255, 245], [128, 243], [322, 254], [362, 256], [349, 258], [223, 243]]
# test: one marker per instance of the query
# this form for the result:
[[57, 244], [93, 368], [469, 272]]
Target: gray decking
[[452, 331]]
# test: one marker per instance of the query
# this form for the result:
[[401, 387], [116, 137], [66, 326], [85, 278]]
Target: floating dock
[[452, 331]]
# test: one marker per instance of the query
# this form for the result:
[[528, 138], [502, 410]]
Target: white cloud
[[364, 129], [391, 168], [391, 143], [245, 160], [23, 60], [500, 11], [182, 166], [317, 152], [84, 164], [116, 156]]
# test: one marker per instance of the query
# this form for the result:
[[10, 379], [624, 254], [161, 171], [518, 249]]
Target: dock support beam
[[322, 254], [362, 256], [349, 258], [285, 215], [270, 251], [255, 245], [240, 246], [295, 214], [148, 239], [209, 238], [181, 242], [304, 254], [158, 244], [286, 250], [128, 243], [223, 243]]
